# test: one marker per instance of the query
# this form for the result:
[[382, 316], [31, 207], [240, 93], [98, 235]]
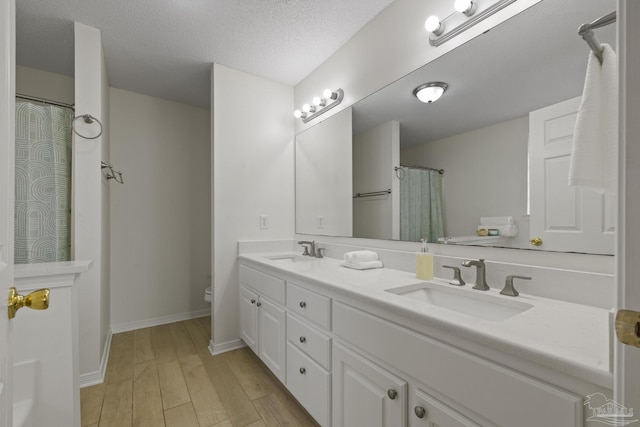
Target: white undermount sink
[[471, 303], [290, 258]]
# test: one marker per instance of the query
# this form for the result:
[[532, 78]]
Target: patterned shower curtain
[[421, 205], [43, 183]]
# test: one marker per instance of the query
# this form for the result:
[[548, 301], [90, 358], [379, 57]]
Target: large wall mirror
[[473, 148]]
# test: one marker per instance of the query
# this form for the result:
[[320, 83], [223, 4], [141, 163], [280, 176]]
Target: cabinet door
[[249, 318], [364, 394], [272, 338], [427, 411]]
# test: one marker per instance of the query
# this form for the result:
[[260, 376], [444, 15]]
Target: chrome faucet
[[481, 279], [309, 247]]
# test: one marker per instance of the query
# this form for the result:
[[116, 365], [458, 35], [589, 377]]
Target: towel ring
[[88, 119]]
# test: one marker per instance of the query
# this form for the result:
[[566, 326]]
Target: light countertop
[[570, 338]]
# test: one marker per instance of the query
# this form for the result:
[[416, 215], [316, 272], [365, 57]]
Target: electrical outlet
[[264, 222], [320, 222]]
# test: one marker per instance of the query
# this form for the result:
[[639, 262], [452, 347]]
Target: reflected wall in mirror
[[323, 177], [479, 131]]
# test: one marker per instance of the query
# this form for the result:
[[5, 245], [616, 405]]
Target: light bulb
[[468, 7], [329, 94], [320, 102], [433, 25], [299, 114], [307, 108]]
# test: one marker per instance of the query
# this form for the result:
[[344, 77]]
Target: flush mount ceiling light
[[430, 92], [330, 98], [467, 13]]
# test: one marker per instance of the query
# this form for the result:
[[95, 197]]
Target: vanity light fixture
[[330, 98], [430, 92], [467, 13]]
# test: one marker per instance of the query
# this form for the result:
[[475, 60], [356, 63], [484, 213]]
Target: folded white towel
[[496, 220], [503, 230], [594, 153], [359, 256], [364, 265]]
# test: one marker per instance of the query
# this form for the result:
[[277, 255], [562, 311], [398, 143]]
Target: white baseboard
[[97, 377], [140, 324], [225, 346]]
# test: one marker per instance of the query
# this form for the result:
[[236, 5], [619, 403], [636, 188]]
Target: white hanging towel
[[594, 154]]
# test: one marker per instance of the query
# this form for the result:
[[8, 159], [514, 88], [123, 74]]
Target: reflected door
[[564, 218]]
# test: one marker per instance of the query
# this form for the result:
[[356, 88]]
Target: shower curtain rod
[[440, 171], [585, 31], [45, 101]]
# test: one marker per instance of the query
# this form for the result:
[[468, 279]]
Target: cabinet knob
[[392, 394], [303, 304], [536, 241], [259, 304], [420, 411], [303, 371], [303, 340], [253, 301]]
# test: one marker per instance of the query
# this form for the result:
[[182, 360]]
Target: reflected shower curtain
[[421, 205], [43, 183]]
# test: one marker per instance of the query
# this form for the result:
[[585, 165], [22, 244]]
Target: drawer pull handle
[[303, 304], [420, 411], [303, 371], [392, 394], [253, 301], [259, 304], [303, 340]]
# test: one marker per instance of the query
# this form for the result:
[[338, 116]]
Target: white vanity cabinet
[[354, 363], [482, 389], [263, 318]]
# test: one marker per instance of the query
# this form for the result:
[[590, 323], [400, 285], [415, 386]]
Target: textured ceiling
[[165, 48]]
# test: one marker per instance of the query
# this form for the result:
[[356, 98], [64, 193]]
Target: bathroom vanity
[[382, 348]]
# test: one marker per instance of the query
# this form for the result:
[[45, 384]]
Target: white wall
[[323, 177], [43, 84], [160, 217], [90, 202], [375, 153], [496, 158], [252, 160]]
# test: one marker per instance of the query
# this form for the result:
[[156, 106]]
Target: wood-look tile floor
[[165, 376]]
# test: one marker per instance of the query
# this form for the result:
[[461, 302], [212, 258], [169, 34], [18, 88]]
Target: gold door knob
[[536, 241], [628, 327], [37, 300]]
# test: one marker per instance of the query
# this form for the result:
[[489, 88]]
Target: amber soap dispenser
[[424, 263]]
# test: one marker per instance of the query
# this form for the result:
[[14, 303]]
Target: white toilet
[[207, 295]]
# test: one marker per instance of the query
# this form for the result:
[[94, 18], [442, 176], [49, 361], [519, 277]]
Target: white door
[[7, 127], [564, 218], [627, 360]]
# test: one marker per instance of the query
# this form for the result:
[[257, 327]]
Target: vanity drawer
[[309, 340], [309, 383], [309, 305], [460, 376], [262, 283]]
